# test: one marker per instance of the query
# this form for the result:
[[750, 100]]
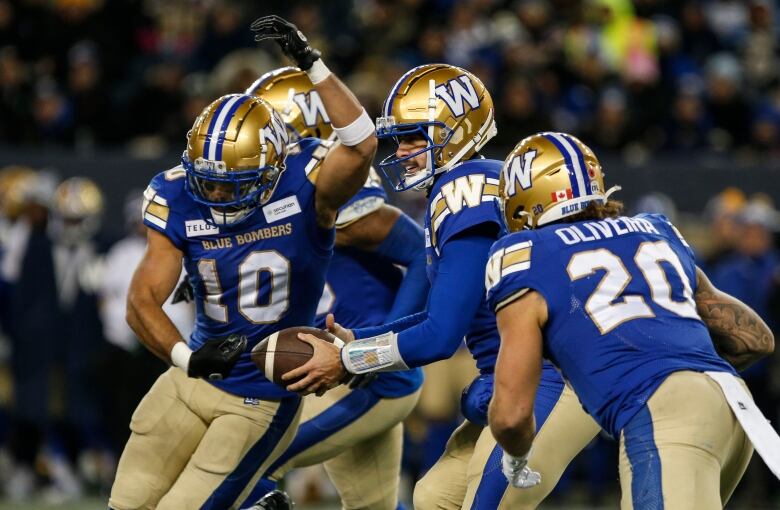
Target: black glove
[[288, 37], [183, 292], [215, 359]]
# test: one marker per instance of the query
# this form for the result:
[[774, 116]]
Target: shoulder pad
[[308, 154], [488, 167], [663, 224], [507, 275], [367, 200], [463, 197], [164, 189]]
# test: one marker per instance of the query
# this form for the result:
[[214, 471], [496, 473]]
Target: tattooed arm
[[739, 334]]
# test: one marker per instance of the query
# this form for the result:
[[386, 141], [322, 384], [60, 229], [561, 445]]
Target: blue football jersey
[[361, 287], [621, 311], [460, 199], [254, 278]]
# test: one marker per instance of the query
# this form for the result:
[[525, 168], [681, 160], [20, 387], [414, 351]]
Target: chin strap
[[610, 191]]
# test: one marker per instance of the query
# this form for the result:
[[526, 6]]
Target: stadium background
[[679, 98]]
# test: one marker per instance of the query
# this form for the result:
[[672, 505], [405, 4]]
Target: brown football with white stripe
[[280, 352]]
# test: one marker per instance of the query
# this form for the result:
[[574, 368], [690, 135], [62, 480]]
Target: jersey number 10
[[608, 307], [249, 271]]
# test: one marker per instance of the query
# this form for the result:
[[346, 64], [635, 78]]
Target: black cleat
[[274, 500]]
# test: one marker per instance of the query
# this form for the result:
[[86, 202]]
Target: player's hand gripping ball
[[283, 351]]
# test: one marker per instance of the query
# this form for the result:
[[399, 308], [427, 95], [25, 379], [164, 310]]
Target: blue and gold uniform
[[256, 277], [440, 116], [203, 444], [357, 433], [623, 328], [468, 475]]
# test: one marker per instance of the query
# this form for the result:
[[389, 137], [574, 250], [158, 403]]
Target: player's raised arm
[[345, 168], [740, 336]]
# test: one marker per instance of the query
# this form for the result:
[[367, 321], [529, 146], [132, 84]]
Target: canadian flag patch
[[561, 194]]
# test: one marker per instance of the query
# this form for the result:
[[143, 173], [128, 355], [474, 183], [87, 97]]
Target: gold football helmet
[[235, 156], [291, 93], [447, 106], [13, 180], [546, 177], [78, 206]]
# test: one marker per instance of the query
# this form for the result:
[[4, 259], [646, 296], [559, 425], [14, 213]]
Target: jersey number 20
[[249, 271], [608, 308]]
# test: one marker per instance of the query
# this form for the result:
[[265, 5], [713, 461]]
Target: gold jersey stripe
[[441, 206], [160, 211], [490, 189], [515, 257], [312, 176]]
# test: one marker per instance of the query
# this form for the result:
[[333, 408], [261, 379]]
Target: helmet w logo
[[275, 132], [457, 93], [519, 170], [311, 107]]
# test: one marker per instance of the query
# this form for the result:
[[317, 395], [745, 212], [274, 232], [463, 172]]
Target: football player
[[618, 304], [255, 234], [356, 432], [441, 116]]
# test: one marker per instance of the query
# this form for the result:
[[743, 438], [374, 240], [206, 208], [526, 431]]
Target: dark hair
[[596, 211]]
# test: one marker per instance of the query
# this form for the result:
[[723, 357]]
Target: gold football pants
[[195, 446], [684, 450], [468, 474], [358, 435]]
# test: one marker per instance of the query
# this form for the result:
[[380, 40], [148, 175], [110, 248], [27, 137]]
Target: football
[[283, 351]]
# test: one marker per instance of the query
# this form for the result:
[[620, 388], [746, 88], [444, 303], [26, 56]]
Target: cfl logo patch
[[458, 92]]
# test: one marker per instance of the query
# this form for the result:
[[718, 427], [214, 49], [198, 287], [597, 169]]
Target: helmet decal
[[311, 107], [275, 132], [519, 171], [456, 93], [291, 93]]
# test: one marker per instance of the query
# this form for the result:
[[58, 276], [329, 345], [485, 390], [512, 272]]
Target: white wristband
[[318, 72], [180, 356], [357, 131]]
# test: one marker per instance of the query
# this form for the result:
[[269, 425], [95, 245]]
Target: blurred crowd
[[71, 369], [635, 77]]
